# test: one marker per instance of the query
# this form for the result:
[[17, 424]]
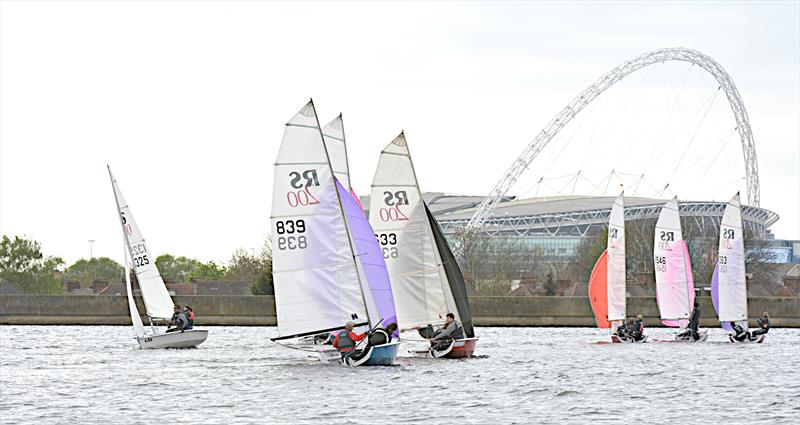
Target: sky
[[187, 101]]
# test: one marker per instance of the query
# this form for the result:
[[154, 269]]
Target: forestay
[[333, 133], [616, 261], [156, 298], [673, 269], [731, 285], [397, 214], [316, 281]]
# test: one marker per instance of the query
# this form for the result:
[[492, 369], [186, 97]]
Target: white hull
[[186, 339]]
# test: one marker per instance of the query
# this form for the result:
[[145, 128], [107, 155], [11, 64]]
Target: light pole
[[91, 256]]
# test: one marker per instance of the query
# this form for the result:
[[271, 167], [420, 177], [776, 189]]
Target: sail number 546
[[290, 228]]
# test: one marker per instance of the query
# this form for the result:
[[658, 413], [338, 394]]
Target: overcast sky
[[187, 102]]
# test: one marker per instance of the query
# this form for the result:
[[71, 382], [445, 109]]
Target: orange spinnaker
[[598, 291]]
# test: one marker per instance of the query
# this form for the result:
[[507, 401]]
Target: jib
[[728, 234], [667, 236], [397, 198], [304, 179]]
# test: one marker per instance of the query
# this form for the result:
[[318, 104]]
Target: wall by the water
[[249, 310]]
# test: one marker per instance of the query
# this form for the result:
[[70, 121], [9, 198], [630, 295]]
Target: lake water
[[94, 374]]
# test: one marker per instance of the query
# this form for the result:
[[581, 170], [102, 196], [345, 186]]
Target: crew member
[[739, 334], [178, 320], [637, 329], [450, 331], [694, 324], [346, 339], [382, 335], [189, 313], [763, 326]]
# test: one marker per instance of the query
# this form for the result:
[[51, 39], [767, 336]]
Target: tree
[[175, 269], [86, 271], [245, 267], [550, 285], [24, 266], [263, 285], [208, 271]]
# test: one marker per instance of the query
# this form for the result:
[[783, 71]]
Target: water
[[93, 374]]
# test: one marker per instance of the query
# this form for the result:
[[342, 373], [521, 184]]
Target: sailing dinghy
[[426, 280], [157, 301], [607, 281], [728, 283], [327, 265], [673, 269]]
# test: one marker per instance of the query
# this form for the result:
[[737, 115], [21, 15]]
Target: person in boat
[[739, 334], [346, 339], [693, 326], [382, 336], [189, 313], [636, 331], [621, 330], [450, 331], [763, 326], [178, 321]]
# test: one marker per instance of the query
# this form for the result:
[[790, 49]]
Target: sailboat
[[607, 281], [327, 265], [426, 280], [673, 269], [157, 301], [728, 283]]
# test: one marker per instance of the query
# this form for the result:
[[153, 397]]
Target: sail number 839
[[291, 240], [388, 242]]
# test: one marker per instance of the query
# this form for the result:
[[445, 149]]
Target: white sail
[[616, 261], [732, 283], [156, 298], [397, 214], [136, 319], [317, 286], [333, 133], [669, 256]]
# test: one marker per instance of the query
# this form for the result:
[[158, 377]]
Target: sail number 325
[[291, 238]]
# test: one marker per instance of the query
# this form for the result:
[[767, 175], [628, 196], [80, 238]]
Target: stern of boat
[[186, 339]]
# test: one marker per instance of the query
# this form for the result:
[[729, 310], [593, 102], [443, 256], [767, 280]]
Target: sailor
[[346, 339], [450, 331], [189, 313], [739, 334], [382, 335], [694, 324], [637, 329], [763, 326], [178, 320]]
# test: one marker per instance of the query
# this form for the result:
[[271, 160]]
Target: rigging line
[[723, 141], [638, 182], [585, 117], [722, 149], [637, 111], [589, 153], [695, 134], [671, 111]]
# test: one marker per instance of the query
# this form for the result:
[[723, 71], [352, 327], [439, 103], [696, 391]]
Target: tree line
[[24, 265]]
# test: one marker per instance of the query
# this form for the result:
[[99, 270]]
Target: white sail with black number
[[732, 284], [317, 283], [421, 285], [156, 298], [616, 261]]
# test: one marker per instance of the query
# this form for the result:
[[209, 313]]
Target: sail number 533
[[291, 229]]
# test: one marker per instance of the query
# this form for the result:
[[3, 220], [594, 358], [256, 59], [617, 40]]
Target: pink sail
[[673, 270]]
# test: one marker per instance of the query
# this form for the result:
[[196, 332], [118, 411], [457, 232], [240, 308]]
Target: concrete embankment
[[260, 310]]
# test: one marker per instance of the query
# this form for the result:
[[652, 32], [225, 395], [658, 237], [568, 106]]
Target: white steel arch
[[561, 119]]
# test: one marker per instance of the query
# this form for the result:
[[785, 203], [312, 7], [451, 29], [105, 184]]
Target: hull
[[617, 339], [186, 339], [758, 340], [458, 349], [378, 355]]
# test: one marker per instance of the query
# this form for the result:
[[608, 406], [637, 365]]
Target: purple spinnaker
[[715, 296], [370, 256]]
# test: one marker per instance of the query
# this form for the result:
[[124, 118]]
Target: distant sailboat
[[673, 270], [157, 301], [729, 283], [607, 281], [426, 280], [327, 265]]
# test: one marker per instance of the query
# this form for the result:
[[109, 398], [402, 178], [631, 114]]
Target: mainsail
[[317, 282], [616, 261], [156, 298], [397, 213], [673, 269], [729, 286], [136, 319]]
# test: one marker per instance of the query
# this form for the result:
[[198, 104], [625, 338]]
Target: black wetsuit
[[637, 331], [739, 333], [763, 327], [694, 324]]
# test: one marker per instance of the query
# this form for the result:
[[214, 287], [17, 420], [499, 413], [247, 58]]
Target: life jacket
[[345, 343], [191, 315]]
